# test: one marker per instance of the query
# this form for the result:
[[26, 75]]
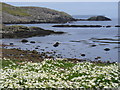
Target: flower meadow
[[58, 73]]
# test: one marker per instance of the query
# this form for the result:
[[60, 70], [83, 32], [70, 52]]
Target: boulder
[[24, 41], [56, 44], [32, 41], [107, 49]]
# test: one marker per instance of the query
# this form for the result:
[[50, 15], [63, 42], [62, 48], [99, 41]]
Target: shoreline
[[34, 56]]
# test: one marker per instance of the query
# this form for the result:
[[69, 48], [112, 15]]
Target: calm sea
[[76, 41]]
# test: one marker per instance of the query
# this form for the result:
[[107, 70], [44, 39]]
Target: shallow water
[[76, 41]]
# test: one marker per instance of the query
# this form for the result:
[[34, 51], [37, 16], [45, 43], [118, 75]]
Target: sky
[[109, 9], [60, 0]]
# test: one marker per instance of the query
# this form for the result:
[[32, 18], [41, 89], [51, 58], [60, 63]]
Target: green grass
[[7, 63], [16, 11]]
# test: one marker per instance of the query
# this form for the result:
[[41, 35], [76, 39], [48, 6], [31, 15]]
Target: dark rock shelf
[[17, 31]]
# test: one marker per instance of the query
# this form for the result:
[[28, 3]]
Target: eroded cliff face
[[12, 14]]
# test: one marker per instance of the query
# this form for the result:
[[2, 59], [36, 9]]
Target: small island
[[99, 18], [96, 18]]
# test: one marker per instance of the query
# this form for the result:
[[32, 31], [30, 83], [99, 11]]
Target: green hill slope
[[12, 14]]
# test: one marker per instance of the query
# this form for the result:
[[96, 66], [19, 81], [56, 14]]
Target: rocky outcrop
[[16, 31], [99, 18], [76, 26], [12, 14]]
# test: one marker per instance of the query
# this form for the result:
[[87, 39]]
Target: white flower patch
[[59, 74]]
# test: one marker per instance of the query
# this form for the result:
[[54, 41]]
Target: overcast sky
[[60, 0]]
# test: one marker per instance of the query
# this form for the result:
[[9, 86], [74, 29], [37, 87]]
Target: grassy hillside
[[16, 11], [12, 14]]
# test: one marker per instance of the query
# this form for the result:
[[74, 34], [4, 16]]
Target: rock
[[56, 44], [77, 26], [108, 26], [24, 41], [98, 58], [83, 55], [19, 31], [36, 48], [93, 45], [32, 41], [117, 26], [99, 18], [107, 49], [108, 62], [11, 44]]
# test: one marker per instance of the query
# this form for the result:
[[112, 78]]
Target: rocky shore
[[34, 56], [108, 26], [77, 26], [17, 31]]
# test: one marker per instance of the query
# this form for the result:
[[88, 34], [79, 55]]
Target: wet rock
[[17, 31], [32, 41], [56, 44], [98, 58], [108, 62], [83, 55], [24, 41], [77, 26], [36, 48], [93, 45], [11, 43], [42, 49], [108, 26], [117, 26], [107, 49]]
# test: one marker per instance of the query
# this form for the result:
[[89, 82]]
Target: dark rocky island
[[99, 18], [17, 31], [18, 15], [95, 18]]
